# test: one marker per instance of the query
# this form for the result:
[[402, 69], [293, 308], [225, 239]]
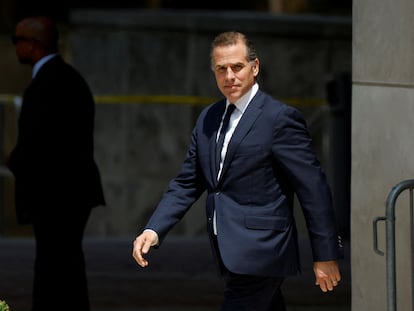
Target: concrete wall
[[139, 147], [382, 144]]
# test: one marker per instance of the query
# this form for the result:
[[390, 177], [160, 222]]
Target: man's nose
[[229, 73]]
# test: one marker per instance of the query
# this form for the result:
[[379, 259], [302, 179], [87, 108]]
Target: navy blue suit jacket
[[269, 158]]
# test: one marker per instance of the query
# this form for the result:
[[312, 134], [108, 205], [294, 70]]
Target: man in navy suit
[[57, 182], [266, 158]]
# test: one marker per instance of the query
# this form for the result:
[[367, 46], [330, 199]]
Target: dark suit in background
[[249, 207], [57, 182]]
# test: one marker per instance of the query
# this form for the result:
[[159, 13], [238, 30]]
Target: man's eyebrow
[[230, 64]]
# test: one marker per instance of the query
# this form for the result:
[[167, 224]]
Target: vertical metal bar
[[390, 258], [390, 241], [412, 246]]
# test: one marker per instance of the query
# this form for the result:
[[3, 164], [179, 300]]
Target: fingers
[[138, 252], [327, 275], [327, 284], [142, 245]]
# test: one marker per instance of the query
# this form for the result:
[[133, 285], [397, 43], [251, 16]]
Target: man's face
[[234, 74], [24, 43]]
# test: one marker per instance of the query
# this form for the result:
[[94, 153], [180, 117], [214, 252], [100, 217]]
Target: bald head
[[35, 37], [40, 28]]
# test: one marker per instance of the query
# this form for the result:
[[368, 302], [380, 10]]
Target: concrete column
[[382, 144]]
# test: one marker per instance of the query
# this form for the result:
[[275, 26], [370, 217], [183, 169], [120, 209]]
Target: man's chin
[[233, 97], [24, 61]]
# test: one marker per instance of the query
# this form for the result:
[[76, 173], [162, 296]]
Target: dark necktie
[[223, 131]]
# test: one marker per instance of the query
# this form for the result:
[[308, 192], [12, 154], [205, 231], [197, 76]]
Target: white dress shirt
[[41, 62], [241, 106]]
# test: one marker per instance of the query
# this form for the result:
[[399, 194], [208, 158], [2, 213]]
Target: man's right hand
[[142, 245]]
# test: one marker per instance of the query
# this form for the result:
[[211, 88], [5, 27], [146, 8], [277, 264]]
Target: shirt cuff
[[156, 234]]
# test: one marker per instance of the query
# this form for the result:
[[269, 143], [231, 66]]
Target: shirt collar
[[242, 103], [40, 63]]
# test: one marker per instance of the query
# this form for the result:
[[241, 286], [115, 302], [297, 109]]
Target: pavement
[[181, 277]]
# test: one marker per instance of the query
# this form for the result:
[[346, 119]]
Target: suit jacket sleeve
[[292, 147], [182, 192]]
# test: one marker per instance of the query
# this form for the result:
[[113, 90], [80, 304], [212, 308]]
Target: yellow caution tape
[[168, 99]]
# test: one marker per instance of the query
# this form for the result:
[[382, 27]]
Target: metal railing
[[389, 219]]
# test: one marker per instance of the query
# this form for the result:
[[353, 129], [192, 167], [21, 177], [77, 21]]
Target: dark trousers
[[248, 292], [60, 281], [252, 293]]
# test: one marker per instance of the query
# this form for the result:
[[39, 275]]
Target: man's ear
[[256, 67]]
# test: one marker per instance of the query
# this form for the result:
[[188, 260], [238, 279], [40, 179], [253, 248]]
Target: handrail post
[[390, 241], [412, 245], [390, 252]]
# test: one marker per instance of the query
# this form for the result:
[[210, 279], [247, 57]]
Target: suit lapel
[[246, 122], [216, 120]]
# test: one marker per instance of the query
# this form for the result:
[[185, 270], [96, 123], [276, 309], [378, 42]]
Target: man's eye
[[237, 68], [234, 68]]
